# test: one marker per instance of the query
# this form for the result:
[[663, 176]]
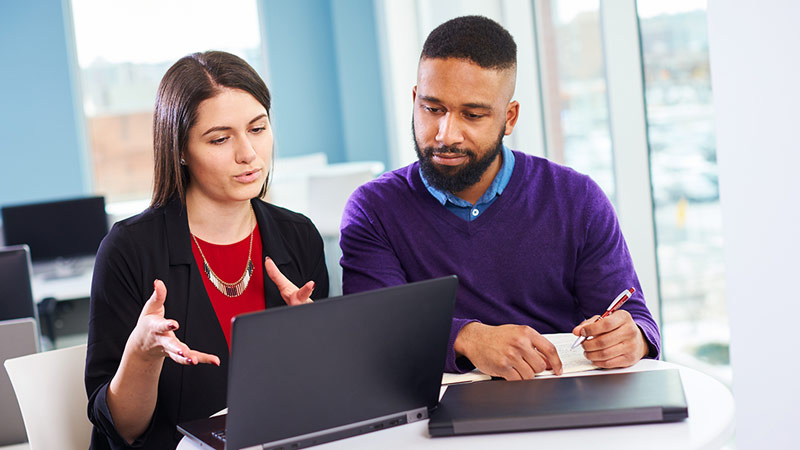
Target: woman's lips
[[249, 176]]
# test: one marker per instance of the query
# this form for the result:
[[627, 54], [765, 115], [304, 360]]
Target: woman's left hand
[[290, 293]]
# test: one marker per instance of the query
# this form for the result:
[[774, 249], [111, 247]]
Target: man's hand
[[616, 340], [514, 352], [289, 292]]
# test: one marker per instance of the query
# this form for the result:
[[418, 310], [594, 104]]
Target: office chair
[[52, 398], [18, 337]]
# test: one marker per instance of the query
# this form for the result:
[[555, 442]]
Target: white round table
[[709, 426]]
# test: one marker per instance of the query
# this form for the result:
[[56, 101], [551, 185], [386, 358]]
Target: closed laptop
[[560, 402]]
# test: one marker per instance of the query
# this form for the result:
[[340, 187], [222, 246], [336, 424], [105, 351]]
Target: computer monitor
[[59, 229], [16, 293]]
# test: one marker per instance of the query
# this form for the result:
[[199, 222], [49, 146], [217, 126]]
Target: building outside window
[[688, 221], [124, 48]]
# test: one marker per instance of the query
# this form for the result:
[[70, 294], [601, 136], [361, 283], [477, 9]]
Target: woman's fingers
[[165, 326], [182, 354], [289, 292], [303, 295], [155, 304], [285, 286]]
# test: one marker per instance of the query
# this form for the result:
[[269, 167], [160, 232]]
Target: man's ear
[[512, 114], [414, 94]]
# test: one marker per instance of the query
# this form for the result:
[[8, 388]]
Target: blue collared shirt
[[463, 208]]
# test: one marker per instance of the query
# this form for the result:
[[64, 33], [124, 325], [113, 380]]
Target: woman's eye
[[219, 140]]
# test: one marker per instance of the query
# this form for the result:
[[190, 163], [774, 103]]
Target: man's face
[[461, 113]]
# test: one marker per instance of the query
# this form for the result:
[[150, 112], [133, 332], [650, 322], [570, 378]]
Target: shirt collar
[[496, 188]]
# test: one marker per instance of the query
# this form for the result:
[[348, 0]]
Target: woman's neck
[[219, 223]]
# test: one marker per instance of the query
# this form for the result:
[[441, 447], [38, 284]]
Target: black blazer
[[156, 245]]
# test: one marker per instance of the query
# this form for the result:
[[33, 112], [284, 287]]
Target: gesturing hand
[[289, 292], [154, 336], [616, 340], [514, 352]]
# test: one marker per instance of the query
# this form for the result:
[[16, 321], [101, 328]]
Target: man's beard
[[455, 179]]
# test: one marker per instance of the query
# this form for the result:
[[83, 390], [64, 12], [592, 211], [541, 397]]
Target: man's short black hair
[[476, 38]]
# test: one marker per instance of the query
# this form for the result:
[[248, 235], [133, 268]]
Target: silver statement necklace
[[229, 289]]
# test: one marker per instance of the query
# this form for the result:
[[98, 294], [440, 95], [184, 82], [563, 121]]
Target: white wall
[[754, 48]]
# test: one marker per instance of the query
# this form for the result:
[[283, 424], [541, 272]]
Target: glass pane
[[124, 48], [685, 189], [574, 85]]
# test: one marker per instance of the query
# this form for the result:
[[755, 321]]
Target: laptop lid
[[560, 402], [17, 338], [314, 373]]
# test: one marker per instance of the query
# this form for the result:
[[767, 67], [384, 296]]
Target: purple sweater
[[548, 253]]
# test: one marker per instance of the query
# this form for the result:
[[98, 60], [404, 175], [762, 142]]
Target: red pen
[[621, 298]]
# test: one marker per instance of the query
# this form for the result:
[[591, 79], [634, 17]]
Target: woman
[[168, 281]]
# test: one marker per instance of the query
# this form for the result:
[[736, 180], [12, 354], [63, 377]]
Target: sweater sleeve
[[604, 267], [115, 304]]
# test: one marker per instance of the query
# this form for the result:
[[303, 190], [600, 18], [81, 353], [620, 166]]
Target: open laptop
[[18, 337], [560, 402], [304, 375]]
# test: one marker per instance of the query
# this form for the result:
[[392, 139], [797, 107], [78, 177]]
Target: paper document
[[572, 360], [469, 377]]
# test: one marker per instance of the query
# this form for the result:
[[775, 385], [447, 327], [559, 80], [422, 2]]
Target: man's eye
[[474, 116], [431, 109], [257, 130]]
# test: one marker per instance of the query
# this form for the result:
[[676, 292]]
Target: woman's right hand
[[154, 335]]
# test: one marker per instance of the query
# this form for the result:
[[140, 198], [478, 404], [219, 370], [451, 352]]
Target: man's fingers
[[609, 323], [611, 357], [549, 353], [577, 330]]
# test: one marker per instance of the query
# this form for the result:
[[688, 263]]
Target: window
[[124, 48], [574, 88], [688, 221]]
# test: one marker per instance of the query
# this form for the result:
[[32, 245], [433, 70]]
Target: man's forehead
[[452, 77]]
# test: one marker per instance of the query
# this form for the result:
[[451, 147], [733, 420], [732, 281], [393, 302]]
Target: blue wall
[[42, 150], [324, 75], [325, 78]]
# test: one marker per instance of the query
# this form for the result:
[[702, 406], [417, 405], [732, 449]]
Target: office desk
[[709, 426], [67, 288]]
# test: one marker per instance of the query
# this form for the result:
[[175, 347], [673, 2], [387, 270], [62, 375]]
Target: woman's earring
[[183, 162]]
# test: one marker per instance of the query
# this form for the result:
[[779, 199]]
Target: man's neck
[[473, 193]]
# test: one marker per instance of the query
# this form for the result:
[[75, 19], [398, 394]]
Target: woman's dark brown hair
[[186, 84]]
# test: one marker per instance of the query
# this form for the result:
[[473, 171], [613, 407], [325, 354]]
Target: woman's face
[[230, 147]]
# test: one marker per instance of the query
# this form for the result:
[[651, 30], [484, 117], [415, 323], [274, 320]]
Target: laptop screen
[[16, 299], [339, 361], [59, 229]]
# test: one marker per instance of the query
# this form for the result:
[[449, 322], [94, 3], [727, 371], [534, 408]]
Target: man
[[536, 246]]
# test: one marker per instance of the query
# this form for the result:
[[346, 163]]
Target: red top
[[228, 263]]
